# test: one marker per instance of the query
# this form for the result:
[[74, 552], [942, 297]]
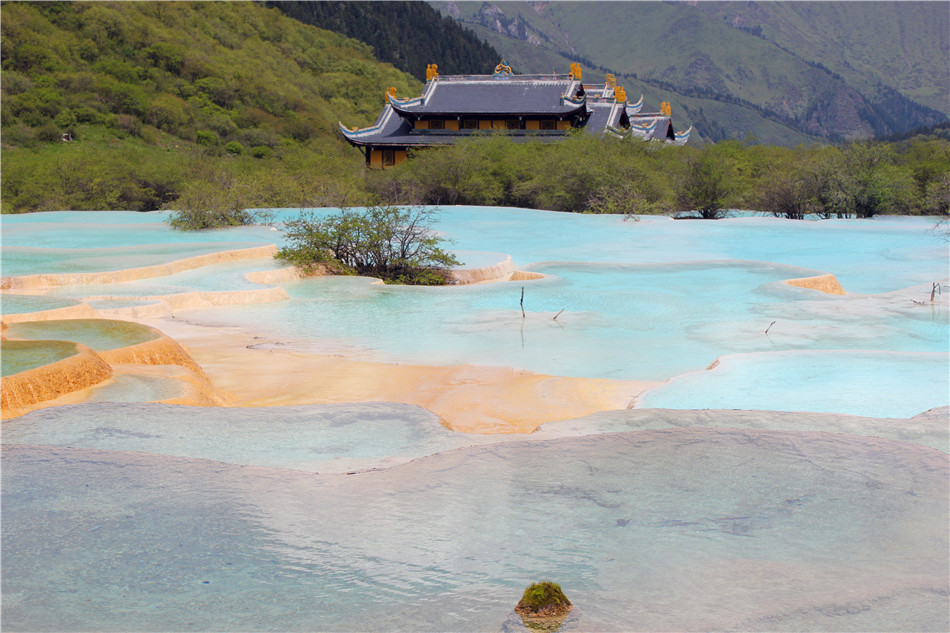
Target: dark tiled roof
[[493, 96], [602, 115], [502, 98], [393, 130]]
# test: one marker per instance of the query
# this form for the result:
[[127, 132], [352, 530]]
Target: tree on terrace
[[395, 244]]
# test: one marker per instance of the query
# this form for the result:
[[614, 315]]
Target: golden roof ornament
[[503, 68]]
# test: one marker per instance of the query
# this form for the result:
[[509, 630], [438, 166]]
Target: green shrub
[[261, 151], [128, 123], [87, 114], [206, 138], [233, 147], [65, 119], [217, 198], [391, 243], [48, 132]]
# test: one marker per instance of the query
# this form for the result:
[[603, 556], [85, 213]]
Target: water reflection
[[680, 529]]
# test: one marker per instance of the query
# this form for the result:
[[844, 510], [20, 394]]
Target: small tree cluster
[[704, 186], [216, 199], [394, 244]]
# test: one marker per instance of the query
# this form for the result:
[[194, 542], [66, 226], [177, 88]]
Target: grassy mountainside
[[160, 95], [872, 45], [704, 51]]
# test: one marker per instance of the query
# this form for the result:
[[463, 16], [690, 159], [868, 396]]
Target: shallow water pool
[[98, 334], [17, 356], [650, 299], [873, 384], [710, 529]]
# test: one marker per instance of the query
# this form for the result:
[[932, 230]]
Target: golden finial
[[575, 70], [611, 81], [391, 93], [666, 109], [432, 71], [620, 94]]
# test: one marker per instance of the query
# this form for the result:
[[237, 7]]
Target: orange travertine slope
[[23, 390], [827, 283]]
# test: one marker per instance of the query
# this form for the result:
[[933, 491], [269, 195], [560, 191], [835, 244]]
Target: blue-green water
[[136, 517], [17, 356], [864, 383], [98, 334], [682, 530], [644, 300], [24, 304]]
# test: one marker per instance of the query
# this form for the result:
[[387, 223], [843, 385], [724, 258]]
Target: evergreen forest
[[408, 35]]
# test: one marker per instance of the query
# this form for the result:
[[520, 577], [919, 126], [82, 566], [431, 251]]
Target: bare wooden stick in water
[[522, 302], [769, 327], [558, 314]]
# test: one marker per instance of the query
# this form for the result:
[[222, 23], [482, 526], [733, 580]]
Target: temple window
[[512, 124], [436, 124], [547, 124], [469, 124], [389, 158]]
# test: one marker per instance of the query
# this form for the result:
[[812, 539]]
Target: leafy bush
[[233, 147], [65, 119], [206, 138], [48, 132], [216, 199], [261, 151], [392, 243], [704, 186]]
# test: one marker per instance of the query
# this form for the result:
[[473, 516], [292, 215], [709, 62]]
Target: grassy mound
[[543, 599]]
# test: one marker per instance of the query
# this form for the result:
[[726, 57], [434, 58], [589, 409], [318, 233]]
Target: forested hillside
[[408, 35], [159, 97], [783, 72]]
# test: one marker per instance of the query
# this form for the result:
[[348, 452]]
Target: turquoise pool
[[645, 300], [122, 515]]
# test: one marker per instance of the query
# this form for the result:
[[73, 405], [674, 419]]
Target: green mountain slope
[[153, 91], [904, 46], [701, 50]]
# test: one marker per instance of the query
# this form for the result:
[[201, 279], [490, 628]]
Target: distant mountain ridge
[[784, 72]]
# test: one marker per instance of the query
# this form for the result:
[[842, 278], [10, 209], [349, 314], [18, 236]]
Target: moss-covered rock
[[543, 606]]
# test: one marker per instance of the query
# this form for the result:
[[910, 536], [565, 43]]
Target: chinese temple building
[[529, 108]]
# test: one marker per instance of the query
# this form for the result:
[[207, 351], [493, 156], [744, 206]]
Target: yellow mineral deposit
[[20, 392], [75, 376], [525, 275], [222, 368], [79, 311], [162, 305], [161, 351], [249, 370], [26, 282], [824, 283]]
